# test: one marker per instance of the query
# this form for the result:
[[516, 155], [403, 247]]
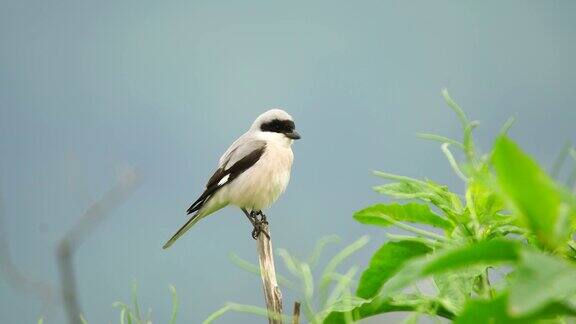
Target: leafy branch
[[512, 217]]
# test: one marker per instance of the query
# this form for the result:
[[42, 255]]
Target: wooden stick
[[296, 315], [272, 292]]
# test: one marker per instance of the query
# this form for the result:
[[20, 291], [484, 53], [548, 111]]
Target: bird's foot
[[262, 217], [257, 230], [258, 224]]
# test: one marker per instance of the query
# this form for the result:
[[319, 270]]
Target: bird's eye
[[278, 126]]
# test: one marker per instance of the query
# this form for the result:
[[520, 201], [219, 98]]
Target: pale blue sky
[[88, 87]]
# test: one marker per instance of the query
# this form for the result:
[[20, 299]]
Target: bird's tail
[[193, 220]]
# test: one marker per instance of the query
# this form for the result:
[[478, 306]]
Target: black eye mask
[[278, 126]]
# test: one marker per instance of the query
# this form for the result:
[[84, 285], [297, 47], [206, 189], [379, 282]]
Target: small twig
[[296, 314], [272, 292]]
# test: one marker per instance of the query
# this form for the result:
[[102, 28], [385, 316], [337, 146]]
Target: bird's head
[[277, 125]]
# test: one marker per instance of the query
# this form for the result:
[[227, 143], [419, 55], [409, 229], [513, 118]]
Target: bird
[[252, 173]]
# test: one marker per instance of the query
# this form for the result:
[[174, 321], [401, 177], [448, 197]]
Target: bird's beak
[[293, 135]]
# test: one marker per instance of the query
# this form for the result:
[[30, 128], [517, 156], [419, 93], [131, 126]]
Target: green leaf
[[495, 311], [242, 308], [385, 263], [507, 125], [481, 253], [381, 214], [122, 315], [409, 303], [485, 311], [405, 190], [530, 191], [440, 138], [427, 191], [330, 268], [540, 280], [347, 304], [135, 301], [454, 106], [319, 247], [307, 280], [455, 288], [560, 159], [485, 203], [452, 161], [484, 252], [175, 305], [342, 287]]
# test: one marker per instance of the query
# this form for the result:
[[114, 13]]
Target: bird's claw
[[262, 217], [259, 224], [258, 228]]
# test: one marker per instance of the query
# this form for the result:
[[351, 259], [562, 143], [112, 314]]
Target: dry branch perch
[[272, 292]]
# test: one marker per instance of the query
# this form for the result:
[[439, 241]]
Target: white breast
[[261, 185]]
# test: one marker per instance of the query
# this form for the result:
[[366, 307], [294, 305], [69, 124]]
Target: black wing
[[226, 174], [241, 161]]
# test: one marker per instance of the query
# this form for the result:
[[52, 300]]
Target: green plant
[[331, 292], [131, 314], [503, 251]]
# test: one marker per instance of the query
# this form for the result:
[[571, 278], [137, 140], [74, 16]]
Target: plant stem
[[487, 285], [484, 285], [476, 234]]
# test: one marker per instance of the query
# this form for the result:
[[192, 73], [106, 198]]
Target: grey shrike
[[251, 174]]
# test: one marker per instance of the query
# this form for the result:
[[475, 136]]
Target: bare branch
[[69, 244], [20, 281], [272, 292]]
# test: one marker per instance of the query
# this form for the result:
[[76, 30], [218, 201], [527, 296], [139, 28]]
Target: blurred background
[[89, 89]]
